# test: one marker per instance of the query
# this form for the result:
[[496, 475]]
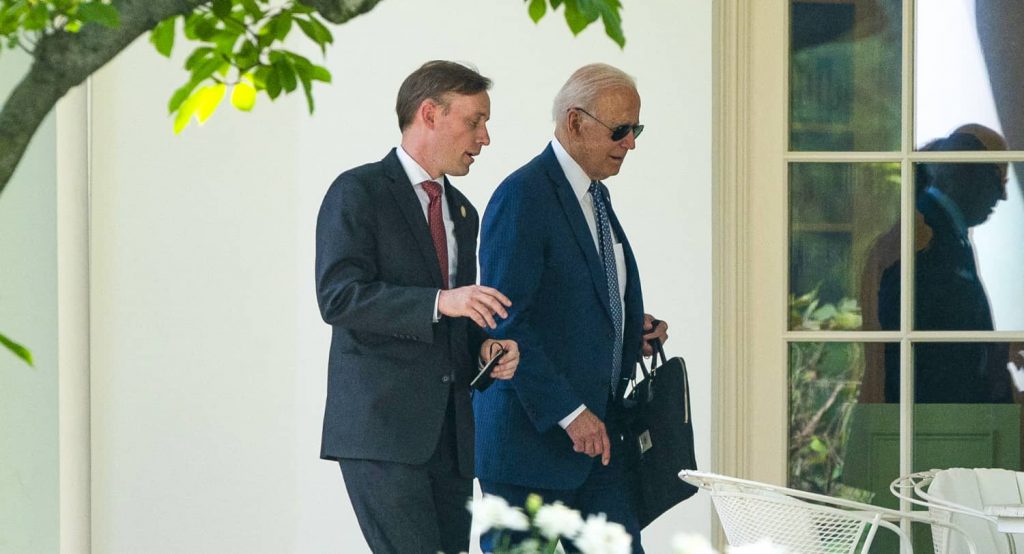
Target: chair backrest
[[961, 495], [799, 521]]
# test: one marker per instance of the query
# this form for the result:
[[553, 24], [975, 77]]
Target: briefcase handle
[[659, 350]]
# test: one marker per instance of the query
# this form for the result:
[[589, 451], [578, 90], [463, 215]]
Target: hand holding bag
[[659, 436]]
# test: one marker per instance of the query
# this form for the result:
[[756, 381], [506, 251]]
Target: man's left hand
[[506, 368], [651, 332]]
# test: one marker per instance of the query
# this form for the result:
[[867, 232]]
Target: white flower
[[557, 520], [493, 512], [691, 543], [763, 546], [598, 536]]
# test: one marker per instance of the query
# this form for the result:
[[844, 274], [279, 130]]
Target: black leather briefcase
[[659, 436]]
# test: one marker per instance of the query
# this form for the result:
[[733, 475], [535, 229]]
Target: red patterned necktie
[[436, 222]]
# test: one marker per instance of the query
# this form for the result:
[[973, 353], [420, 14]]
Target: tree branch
[[340, 11], [62, 61]]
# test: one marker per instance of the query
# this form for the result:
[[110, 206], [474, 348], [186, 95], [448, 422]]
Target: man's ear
[[428, 111], [573, 122]]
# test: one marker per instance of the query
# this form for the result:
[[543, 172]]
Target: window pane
[[968, 263], [969, 67], [845, 75], [956, 372], [830, 420], [844, 230]]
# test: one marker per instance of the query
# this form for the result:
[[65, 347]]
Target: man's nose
[[629, 141], [485, 137]]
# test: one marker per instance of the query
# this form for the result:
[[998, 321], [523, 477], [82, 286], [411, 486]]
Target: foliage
[[824, 382], [24, 22], [581, 13], [239, 45], [17, 349]]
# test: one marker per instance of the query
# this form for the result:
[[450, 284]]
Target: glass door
[[904, 241]]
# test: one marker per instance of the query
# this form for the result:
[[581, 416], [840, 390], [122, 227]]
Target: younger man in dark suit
[[395, 274]]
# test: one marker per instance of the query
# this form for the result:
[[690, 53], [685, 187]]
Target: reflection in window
[[824, 384], [839, 215], [969, 66], [845, 75]]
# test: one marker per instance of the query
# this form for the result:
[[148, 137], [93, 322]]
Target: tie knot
[[433, 189], [594, 187]]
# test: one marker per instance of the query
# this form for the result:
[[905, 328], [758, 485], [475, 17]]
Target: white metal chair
[[987, 503], [803, 522]]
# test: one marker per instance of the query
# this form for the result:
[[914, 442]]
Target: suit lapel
[[412, 211], [465, 237], [571, 206]]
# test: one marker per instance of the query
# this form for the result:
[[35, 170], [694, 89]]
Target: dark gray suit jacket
[[391, 368]]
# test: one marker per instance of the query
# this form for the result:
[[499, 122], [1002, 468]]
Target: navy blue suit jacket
[[537, 249]]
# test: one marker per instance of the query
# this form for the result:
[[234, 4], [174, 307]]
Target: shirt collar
[[950, 207], [578, 179], [413, 170]]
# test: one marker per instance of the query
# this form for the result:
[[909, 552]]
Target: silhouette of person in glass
[[948, 293]]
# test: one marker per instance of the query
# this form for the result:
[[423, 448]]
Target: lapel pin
[[462, 210]]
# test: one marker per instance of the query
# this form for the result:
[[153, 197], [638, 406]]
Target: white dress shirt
[[417, 175], [580, 183]]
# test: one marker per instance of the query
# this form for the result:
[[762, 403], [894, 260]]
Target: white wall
[[29, 514], [208, 354]]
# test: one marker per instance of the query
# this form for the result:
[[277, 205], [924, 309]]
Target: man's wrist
[[567, 420]]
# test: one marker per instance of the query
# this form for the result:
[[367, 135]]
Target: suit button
[[445, 379]]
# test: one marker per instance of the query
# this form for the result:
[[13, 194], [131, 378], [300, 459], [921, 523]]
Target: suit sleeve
[[349, 290], [512, 260]]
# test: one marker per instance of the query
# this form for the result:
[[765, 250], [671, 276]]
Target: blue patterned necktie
[[611, 273]]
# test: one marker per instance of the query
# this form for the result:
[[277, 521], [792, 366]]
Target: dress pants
[[604, 491], [413, 508]]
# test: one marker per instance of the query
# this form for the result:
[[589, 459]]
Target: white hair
[[585, 85]]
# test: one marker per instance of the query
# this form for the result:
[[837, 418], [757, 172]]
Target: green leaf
[[162, 36], [537, 9], [273, 83], [104, 14], [184, 116], [198, 56], [38, 17], [222, 8], [18, 350], [247, 55], [204, 28], [577, 16], [243, 96], [207, 100], [282, 25], [609, 10], [179, 96], [320, 73], [317, 32], [285, 72], [307, 90], [252, 8]]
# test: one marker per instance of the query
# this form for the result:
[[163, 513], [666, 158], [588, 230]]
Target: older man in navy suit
[[395, 274], [551, 242]]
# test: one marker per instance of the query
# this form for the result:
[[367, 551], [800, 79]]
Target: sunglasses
[[620, 132]]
